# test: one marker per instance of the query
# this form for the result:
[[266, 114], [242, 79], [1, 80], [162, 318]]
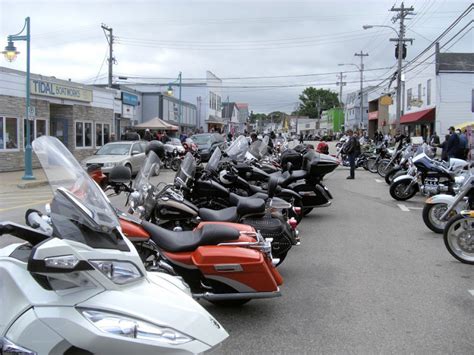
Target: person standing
[[453, 144], [148, 137], [350, 148], [463, 145], [301, 138], [434, 142]]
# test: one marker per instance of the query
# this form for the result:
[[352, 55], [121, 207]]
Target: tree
[[253, 117], [314, 101]]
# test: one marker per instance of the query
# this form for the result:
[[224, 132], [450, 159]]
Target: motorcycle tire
[[364, 164], [175, 164], [383, 167], [431, 214], [372, 165], [167, 164], [397, 190], [157, 170], [457, 238], [390, 176]]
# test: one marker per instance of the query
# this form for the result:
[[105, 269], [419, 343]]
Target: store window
[[102, 134], [419, 91], [8, 133], [83, 134], [38, 128], [409, 98], [428, 92]]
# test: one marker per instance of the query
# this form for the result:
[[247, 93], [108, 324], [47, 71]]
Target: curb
[[31, 184]]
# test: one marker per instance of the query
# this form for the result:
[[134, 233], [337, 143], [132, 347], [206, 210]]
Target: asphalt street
[[369, 277]]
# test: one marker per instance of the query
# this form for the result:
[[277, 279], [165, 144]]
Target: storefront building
[[80, 116]]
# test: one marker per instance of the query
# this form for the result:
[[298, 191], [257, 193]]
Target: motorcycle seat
[[294, 176], [188, 241], [247, 205], [228, 214], [261, 195]]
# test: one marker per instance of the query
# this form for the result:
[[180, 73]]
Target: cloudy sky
[[245, 42]]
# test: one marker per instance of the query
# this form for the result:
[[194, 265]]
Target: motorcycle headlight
[[119, 272], [125, 326]]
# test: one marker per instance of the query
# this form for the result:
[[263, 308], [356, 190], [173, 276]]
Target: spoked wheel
[[383, 167], [167, 164], [459, 238], [432, 214], [401, 190], [392, 174], [372, 165]]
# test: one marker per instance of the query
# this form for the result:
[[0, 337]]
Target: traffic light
[[404, 51]]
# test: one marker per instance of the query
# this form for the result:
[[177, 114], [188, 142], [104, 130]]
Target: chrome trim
[[236, 296], [228, 268]]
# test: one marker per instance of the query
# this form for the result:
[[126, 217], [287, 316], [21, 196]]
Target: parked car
[[126, 153], [207, 142], [174, 144]]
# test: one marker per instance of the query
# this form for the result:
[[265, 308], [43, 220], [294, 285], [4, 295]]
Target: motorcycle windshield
[[214, 160], [146, 171], [238, 148], [77, 197], [259, 148], [186, 171]]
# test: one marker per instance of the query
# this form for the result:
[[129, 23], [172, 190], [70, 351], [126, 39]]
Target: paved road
[[369, 277]]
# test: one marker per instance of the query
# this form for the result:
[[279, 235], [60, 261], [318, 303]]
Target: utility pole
[[110, 40], [402, 13], [361, 68], [341, 83]]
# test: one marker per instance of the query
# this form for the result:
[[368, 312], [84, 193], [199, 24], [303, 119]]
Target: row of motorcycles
[[90, 278], [448, 186]]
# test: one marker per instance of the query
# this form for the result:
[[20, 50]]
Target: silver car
[[130, 154]]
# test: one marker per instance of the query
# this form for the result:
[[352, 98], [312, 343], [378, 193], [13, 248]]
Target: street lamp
[[10, 54], [170, 93], [400, 41]]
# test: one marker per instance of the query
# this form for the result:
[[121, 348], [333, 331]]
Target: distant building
[[352, 117]]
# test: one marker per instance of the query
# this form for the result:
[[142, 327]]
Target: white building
[[438, 93]]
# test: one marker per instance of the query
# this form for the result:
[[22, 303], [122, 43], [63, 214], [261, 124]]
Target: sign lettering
[[45, 88]]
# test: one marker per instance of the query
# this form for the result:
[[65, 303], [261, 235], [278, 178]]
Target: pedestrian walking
[[301, 138], [148, 137], [434, 142]]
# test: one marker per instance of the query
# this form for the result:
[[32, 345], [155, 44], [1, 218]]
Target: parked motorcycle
[[458, 237], [80, 287], [432, 177], [439, 209]]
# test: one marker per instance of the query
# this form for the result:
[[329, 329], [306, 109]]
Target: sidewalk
[[12, 181]]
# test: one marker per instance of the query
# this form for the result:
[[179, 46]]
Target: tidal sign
[[46, 88]]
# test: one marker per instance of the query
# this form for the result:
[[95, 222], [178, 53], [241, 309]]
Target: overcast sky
[[231, 38]]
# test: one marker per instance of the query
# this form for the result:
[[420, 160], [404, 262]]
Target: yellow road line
[[25, 205]]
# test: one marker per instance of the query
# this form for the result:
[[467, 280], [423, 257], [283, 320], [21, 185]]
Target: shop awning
[[215, 120], [464, 125], [157, 123], [423, 115]]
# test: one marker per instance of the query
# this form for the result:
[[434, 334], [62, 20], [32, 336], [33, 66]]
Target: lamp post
[[10, 54], [400, 40], [170, 92]]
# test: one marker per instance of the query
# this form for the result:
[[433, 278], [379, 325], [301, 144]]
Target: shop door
[[59, 129]]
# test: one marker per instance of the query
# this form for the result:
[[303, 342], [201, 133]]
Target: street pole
[[403, 12], [28, 151], [340, 77], [111, 60], [180, 107], [361, 55]]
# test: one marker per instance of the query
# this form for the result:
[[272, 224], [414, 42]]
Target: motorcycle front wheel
[[175, 164], [432, 214], [372, 165], [399, 190], [383, 167], [307, 210], [392, 174], [459, 238]]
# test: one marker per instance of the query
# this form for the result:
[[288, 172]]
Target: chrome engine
[[433, 187]]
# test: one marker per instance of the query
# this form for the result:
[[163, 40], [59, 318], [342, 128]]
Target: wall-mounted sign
[[416, 102], [60, 91], [386, 100], [129, 99]]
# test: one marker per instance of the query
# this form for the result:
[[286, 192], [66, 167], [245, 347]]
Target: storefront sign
[[129, 99], [46, 88], [386, 100]]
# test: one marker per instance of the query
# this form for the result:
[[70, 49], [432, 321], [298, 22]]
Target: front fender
[[404, 177], [441, 198]]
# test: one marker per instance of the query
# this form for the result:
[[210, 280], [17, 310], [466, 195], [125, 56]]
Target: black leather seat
[[189, 241], [228, 214], [294, 176], [250, 206]]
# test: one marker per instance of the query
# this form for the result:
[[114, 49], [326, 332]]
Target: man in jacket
[[453, 144], [350, 149]]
